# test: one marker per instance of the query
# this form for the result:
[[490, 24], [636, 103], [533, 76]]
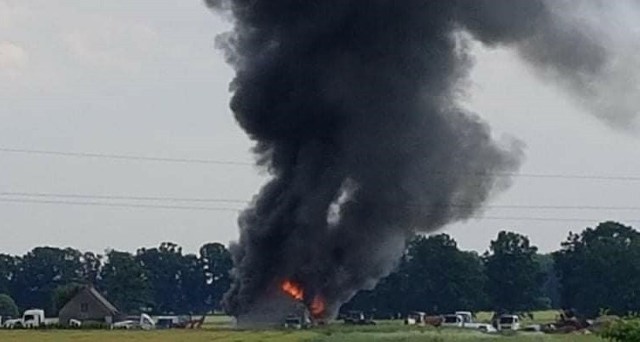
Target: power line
[[240, 201], [121, 197], [123, 157], [146, 206], [544, 219], [116, 205], [239, 163]]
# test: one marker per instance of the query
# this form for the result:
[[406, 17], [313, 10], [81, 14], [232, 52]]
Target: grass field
[[218, 328]]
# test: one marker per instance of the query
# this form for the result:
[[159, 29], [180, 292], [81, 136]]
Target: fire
[[292, 289], [296, 291]]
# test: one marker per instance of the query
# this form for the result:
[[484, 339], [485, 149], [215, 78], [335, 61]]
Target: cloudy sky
[[123, 78]]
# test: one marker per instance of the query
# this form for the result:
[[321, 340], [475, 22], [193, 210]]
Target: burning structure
[[353, 108]]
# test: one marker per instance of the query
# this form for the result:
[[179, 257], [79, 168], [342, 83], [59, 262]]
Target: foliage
[[441, 278], [41, 271], [514, 277], [8, 269], [600, 269], [8, 307], [125, 282], [627, 330], [216, 263]]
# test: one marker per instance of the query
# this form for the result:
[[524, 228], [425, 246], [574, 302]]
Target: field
[[219, 329]]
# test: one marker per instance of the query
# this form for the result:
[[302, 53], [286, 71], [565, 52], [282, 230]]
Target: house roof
[[103, 301]]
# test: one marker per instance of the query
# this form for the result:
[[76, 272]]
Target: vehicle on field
[[296, 322], [358, 318], [144, 322], [452, 321], [169, 322], [465, 320], [509, 322], [32, 318], [415, 318]]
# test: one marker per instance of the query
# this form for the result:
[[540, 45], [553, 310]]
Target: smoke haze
[[353, 106]]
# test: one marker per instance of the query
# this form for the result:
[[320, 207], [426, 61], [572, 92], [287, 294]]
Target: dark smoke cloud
[[353, 107]]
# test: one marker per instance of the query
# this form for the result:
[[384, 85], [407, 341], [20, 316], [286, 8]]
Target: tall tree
[[8, 269], [600, 269], [164, 267], [514, 277], [193, 285], [42, 270], [91, 264], [442, 278], [125, 282], [216, 266]]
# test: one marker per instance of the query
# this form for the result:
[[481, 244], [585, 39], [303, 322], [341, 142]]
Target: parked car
[[143, 321], [452, 321], [509, 322], [358, 318]]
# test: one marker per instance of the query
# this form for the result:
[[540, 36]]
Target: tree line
[[595, 270], [158, 280]]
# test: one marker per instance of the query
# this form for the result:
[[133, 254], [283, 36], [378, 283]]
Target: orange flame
[[292, 289], [296, 292]]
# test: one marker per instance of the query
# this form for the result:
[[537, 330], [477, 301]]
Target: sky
[[124, 78]]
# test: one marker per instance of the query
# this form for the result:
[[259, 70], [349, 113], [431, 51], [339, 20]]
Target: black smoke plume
[[353, 108]]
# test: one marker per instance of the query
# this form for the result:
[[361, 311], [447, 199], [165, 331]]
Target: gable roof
[[93, 293], [100, 298]]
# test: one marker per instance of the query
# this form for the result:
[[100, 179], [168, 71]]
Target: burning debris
[[353, 107], [316, 306]]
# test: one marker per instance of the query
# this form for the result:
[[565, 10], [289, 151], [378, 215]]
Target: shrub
[[8, 307], [627, 330]]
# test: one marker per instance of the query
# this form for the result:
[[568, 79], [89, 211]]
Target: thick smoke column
[[352, 104]]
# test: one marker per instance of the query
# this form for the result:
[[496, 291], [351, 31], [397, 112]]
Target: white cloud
[[13, 59]]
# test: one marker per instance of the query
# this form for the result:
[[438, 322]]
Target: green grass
[[316, 335], [218, 328]]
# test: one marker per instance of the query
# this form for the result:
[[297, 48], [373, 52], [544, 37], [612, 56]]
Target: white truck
[[509, 322], [32, 318], [464, 320], [144, 322]]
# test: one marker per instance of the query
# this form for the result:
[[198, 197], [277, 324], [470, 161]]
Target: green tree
[[163, 267], [8, 307], [514, 277], [600, 269], [124, 281], [9, 266], [441, 278], [192, 285], [91, 264], [216, 264], [41, 271]]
